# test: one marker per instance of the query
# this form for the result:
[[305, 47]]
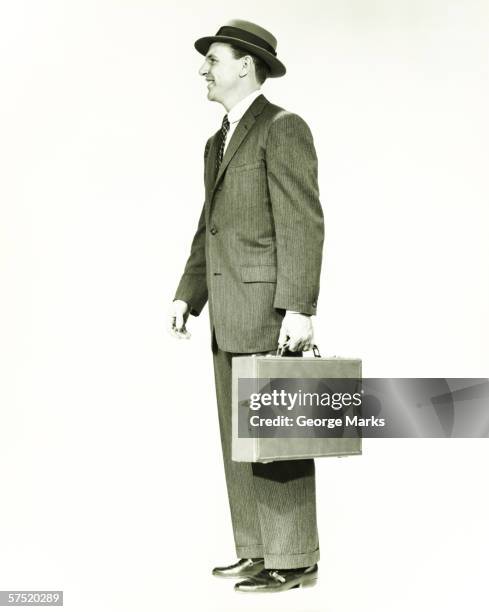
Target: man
[[256, 257]]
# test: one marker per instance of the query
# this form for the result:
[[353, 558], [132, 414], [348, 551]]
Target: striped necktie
[[223, 134]]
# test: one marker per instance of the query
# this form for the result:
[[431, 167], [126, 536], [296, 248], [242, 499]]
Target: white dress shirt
[[238, 110]]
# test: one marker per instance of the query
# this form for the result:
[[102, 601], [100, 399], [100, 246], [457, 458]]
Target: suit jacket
[[258, 246]]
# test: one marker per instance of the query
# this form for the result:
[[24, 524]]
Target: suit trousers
[[273, 505]]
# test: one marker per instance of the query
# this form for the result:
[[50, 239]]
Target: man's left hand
[[298, 329]]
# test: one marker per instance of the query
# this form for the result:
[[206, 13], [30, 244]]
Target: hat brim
[[277, 69]]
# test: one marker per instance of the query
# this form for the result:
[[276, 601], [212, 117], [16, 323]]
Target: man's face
[[221, 72]]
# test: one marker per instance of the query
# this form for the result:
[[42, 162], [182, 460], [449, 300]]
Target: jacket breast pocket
[[259, 274], [247, 167], [246, 185]]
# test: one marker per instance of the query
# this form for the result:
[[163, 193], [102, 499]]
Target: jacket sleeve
[[193, 284], [292, 171]]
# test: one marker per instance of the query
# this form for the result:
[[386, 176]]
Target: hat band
[[246, 37]]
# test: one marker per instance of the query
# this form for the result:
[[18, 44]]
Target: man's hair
[[262, 71]]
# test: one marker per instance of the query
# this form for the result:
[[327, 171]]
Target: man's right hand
[[178, 316]]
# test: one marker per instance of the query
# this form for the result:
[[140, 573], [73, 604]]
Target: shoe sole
[[310, 582]]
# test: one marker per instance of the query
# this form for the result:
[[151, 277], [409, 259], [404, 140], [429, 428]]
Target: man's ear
[[246, 65]]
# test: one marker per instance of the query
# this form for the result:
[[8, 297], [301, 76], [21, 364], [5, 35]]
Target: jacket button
[[314, 304], [213, 230]]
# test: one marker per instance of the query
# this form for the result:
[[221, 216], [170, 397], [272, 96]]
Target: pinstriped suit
[[257, 252]]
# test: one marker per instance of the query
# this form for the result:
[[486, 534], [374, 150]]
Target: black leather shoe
[[241, 569], [274, 581]]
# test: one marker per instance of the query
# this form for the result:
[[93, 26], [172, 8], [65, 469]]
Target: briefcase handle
[[280, 349], [315, 350]]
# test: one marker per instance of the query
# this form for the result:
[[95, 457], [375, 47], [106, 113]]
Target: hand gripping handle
[[280, 349]]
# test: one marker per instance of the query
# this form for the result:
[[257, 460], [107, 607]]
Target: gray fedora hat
[[250, 37]]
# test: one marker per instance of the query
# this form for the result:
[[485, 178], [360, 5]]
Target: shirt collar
[[239, 109]]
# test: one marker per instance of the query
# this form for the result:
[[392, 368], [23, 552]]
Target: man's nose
[[203, 69]]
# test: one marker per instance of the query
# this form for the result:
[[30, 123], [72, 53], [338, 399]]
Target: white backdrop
[[111, 481]]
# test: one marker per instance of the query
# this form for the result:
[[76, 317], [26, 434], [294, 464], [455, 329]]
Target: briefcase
[[254, 370]]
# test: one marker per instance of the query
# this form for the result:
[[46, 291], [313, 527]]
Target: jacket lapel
[[211, 165], [244, 126]]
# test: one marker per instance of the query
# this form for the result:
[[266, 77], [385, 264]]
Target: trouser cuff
[[291, 561], [250, 552]]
